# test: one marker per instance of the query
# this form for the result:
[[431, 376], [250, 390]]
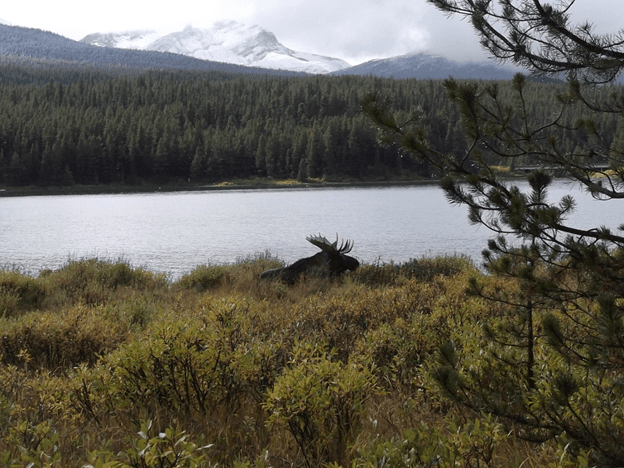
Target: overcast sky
[[354, 30]]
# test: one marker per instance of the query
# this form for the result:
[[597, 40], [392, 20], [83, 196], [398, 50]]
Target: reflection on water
[[174, 232]]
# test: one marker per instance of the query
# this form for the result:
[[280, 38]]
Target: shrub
[[37, 446], [154, 449], [261, 261], [377, 275], [319, 401], [462, 445], [18, 293], [93, 281], [59, 340], [203, 367], [424, 269], [204, 278]]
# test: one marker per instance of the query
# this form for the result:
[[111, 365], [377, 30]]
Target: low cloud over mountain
[[424, 66]]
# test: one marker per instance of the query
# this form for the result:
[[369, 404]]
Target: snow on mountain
[[27, 43], [138, 40], [229, 42]]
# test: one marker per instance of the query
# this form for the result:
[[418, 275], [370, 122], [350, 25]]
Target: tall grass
[[103, 364]]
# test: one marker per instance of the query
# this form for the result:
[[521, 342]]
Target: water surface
[[175, 232]]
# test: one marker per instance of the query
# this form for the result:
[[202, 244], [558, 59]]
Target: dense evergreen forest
[[159, 127]]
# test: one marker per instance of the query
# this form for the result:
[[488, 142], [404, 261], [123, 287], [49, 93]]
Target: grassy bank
[[106, 365]]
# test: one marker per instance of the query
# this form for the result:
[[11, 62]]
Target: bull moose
[[331, 261]]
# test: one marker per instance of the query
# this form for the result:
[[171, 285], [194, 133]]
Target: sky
[[354, 30]]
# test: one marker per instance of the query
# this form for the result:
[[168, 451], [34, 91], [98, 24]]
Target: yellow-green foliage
[[60, 340], [205, 277], [18, 293], [319, 400], [93, 281], [106, 365]]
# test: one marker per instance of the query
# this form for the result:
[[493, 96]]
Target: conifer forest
[[98, 129]]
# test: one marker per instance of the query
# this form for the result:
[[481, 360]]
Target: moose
[[331, 261]]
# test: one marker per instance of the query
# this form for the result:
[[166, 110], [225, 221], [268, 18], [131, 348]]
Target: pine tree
[[316, 151], [549, 361], [161, 161], [260, 156], [198, 165]]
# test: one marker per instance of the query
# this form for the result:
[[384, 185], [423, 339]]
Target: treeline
[[162, 127], [25, 70]]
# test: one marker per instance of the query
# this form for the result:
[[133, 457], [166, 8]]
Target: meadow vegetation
[[106, 365]]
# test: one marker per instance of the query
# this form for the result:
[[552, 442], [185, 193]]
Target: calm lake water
[[175, 232]]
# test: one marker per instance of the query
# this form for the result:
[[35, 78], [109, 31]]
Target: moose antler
[[322, 243]]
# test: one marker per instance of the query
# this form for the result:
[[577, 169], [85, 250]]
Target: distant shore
[[250, 184], [257, 183]]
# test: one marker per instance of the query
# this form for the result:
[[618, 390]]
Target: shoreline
[[236, 184], [251, 184]]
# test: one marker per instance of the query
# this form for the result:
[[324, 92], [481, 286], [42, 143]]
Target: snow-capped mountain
[[24, 44], [425, 66], [229, 42]]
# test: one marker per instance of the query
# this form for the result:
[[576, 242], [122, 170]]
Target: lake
[[175, 232]]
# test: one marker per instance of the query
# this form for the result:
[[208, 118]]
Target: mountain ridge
[[19, 44], [421, 65], [37, 48], [226, 41], [233, 42]]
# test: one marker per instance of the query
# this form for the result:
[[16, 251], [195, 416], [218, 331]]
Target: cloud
[[360, 30], [351, 29]]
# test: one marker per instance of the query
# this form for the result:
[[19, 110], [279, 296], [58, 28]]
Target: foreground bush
[[105, 365], [320, 401]]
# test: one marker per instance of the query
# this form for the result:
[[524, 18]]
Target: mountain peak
[[225, 41]]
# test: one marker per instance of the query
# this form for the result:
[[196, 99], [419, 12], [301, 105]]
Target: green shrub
[[377, 275], [93, 281], [341, 370], [460, 445], [18, 293], [151, 448], [59, 340], [424, 269], [319, 401], [205, 277], [260, 261], [36, 446], [397, 351], [203, 367]]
